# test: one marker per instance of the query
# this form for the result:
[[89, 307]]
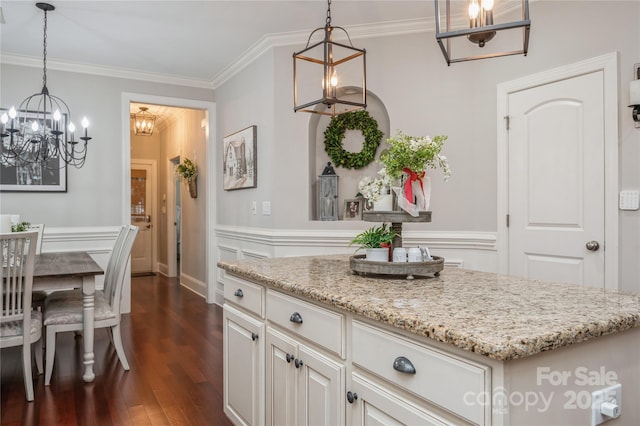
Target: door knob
[[593, 246]]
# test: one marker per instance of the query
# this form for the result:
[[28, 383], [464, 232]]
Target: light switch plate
[[629, 200]]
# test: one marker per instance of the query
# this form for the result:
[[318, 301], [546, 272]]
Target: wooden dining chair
[[19, 324], [65, 313], [39, 228], [37, 297], [113, 257]]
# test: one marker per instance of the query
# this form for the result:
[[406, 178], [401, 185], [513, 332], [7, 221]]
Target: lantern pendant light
[[329, 77], [144, 122], [479, 27]]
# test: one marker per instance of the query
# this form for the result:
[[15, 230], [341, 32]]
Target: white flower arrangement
[[415, 154], [373, 188]]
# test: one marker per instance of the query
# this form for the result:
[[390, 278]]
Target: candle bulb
[[85, 125], [12, 115], [634, 92], [56, 120], [72, 128]]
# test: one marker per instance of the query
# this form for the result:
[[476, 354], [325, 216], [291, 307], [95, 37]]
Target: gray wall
[[425, 96], [99, 98], [422, 96]]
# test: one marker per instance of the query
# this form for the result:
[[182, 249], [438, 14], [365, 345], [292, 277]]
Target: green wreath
[[334, 134]]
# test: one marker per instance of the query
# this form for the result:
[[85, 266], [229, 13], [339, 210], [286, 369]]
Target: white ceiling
[[192, 40]]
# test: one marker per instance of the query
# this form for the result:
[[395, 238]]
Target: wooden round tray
[[361, 266]]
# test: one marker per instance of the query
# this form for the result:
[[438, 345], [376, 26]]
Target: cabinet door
[[376, 406], [281, 383], [243, 368], [320, 389]]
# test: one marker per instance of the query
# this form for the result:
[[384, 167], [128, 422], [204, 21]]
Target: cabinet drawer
[[318, 325], [452, 383], [244, 294]]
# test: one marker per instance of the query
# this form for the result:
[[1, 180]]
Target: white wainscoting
[[471, 250], [97, 241]]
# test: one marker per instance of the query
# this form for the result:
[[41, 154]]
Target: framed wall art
[[353, 208], [50, 176], [240, 159]]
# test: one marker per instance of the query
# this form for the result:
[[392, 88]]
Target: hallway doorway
[[170, 202]]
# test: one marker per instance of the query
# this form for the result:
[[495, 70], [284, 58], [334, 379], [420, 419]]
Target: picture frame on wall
[[240, 159], [50, 176], [353, 209]]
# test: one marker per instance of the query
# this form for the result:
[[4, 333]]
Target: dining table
[[67, 270]]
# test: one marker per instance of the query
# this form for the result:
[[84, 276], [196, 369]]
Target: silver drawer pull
[[403, 365], [296, 317], [238, 293]]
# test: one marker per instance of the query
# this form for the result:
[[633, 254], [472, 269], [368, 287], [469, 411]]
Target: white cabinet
[[437, 377], [374, 405], [243, 367], [304, 387], [290, 362]]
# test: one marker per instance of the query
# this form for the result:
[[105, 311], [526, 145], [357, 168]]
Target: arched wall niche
[[353, 140]]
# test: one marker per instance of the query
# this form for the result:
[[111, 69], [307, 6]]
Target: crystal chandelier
[[336, 70], [144, 122], [35, 132]]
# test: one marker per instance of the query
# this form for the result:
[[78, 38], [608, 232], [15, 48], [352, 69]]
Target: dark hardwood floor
[[173, 341]]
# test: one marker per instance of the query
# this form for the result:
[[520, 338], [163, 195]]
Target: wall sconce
[[634, 97], [472, 23]]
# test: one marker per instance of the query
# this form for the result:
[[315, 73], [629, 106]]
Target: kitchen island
[[465, 347]]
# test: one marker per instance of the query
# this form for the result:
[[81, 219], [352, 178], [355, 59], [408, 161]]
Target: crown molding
[[36, 62], [363, 31], [268, 41]]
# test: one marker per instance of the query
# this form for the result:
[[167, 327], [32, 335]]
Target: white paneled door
[[142, 216], [557, 181]]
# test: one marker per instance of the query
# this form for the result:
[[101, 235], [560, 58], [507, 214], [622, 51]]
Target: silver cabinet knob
[[593, 246]]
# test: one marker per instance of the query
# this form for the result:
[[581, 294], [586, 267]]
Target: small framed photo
[[353, 209], [240, 159]]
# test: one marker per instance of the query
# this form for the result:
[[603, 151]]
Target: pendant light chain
[[328, 21], [44, 55]]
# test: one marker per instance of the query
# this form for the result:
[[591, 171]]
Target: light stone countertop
[[498, 316]]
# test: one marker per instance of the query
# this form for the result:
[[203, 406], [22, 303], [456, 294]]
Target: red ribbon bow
[[408, 185]]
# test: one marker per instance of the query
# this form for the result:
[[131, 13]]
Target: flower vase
[[377, 254], [384, 204], [415, 194], [193, 187]]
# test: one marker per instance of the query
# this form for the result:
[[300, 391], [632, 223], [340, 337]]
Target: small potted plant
[[20, 227], [187, 170], [376, 241]]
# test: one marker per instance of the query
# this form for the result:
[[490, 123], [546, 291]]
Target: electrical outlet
[[266, 208], [606, 404], [254, 207]]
